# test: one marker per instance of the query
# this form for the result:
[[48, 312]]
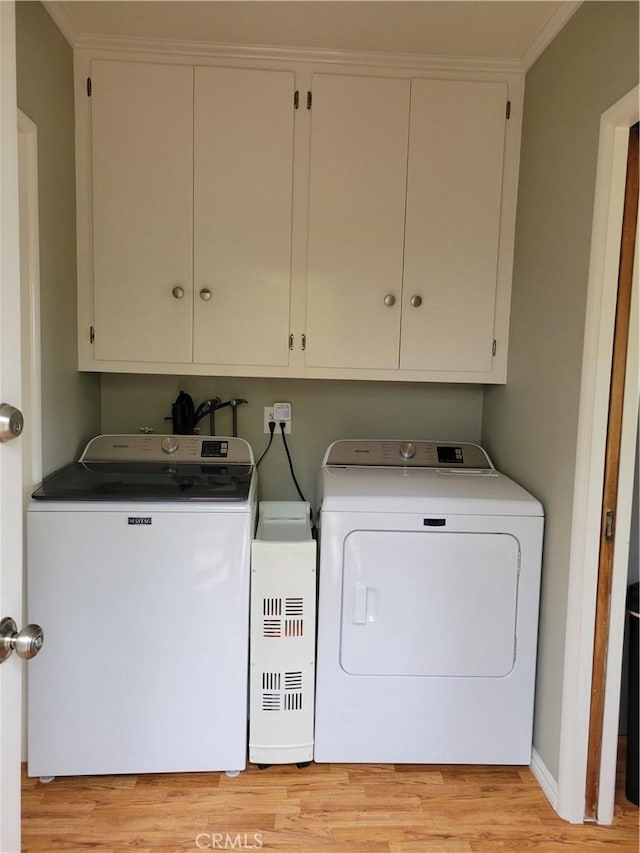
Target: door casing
[[588, 482]]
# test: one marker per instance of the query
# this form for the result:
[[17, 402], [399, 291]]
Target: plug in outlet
[[280, 413]]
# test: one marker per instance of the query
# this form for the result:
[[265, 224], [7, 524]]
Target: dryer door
[[429, 603]]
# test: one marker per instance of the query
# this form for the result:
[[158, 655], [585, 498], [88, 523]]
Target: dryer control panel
[[416, 454]]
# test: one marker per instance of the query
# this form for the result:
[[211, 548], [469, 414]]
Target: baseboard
[[544, 778]]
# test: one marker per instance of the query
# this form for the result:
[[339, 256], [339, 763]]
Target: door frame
[[589, 479], [11, 453], [30, 301], [612, 548], [30, 340]]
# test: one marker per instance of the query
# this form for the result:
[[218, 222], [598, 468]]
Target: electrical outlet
[[270, 416]]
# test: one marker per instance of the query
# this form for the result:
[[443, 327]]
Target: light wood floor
[[319, 809]]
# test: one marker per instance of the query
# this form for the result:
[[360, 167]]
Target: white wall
[[323, 411], [70, 400]]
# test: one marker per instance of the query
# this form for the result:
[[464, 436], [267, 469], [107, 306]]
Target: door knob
[[416, 301], [11, 422], [26, 643], [178, 291], [389, 300], [205, 294]]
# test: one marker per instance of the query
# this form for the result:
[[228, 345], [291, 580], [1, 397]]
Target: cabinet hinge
[[494, 347], [309, 99], [303, 341], [290, 342], [296, 99], [89, 87], [92, 334], [508, 109]]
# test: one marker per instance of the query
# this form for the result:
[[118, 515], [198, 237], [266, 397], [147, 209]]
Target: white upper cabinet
[[359, 131], [192, 184], [142, 171], [242, 210], [404, 223], [454, 195], [294, 217]]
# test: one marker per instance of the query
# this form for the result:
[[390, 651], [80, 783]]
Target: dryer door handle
[[364, 604], [359, 611]]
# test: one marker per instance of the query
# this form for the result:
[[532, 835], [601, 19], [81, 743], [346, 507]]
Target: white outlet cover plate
[[268, 417]]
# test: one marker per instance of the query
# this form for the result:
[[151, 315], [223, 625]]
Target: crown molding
[[62, 20], [556, 22], [58, 12], [168, 47]]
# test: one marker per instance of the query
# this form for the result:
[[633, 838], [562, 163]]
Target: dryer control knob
[[170, 444], [407, 450]]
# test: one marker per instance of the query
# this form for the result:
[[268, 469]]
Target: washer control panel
[[179, 448], [415, 454]]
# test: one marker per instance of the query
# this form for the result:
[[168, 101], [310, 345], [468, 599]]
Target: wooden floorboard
[[318, 809]]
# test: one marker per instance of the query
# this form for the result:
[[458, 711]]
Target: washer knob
[[170, 444], [407, 450]]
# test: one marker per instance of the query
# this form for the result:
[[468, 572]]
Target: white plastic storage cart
[[283, 624]]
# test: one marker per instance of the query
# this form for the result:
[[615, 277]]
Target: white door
[[142, 152], [359, 132], [11, 452], [243, 172], [454, 197]]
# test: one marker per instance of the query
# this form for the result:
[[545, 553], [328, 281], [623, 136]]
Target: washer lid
[[155, 468], [147, 481]]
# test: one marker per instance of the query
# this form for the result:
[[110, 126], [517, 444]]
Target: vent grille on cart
[[275, 624], [289, 699]]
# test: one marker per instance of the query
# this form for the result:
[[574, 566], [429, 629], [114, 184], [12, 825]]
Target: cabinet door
[[359, 131], [242, 200], [454, 192], [142, 156]]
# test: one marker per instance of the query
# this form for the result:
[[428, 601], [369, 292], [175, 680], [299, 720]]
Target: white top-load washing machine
[[138, 571], [428, 606]]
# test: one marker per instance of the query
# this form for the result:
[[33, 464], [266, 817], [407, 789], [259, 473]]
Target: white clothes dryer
[[428, 606]]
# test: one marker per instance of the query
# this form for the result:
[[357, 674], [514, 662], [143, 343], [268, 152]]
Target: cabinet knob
[[416, 301], [178, 291], [389, 300], [205, 294]]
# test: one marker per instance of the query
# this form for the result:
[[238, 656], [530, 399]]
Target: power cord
[[272, 429], [286, 447]]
